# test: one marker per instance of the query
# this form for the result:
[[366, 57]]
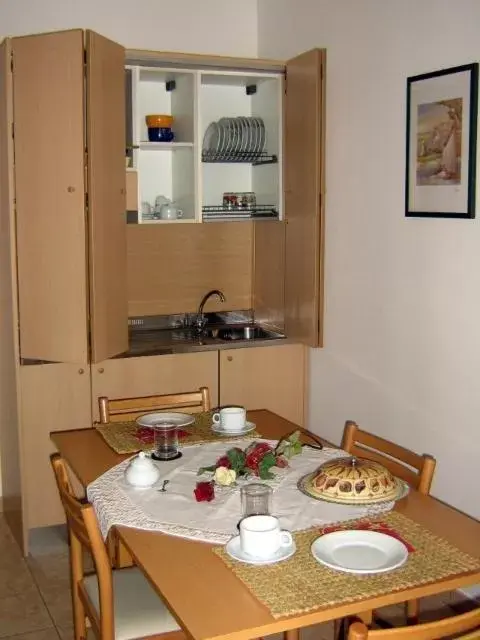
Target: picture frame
[[441, 137]]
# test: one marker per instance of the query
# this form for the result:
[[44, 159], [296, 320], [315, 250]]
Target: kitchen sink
[[143, 341], [250, 332]]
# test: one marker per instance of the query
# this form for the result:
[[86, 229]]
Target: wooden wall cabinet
[[70, 195], [129, 377], [265, 378]]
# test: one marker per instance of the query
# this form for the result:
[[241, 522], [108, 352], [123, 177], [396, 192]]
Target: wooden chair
[[469, 622], [125, 409], [416, 470], [119, 604]]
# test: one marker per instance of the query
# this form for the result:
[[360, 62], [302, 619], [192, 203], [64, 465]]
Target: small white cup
[[261, 536], [231, 418]]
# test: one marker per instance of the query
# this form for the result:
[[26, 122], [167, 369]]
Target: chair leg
[[340, 627], [76, 572], [366, 617], [292, 634], [412, 611]]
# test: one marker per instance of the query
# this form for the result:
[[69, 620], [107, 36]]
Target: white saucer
[[249, 426], [234, 550], [359, 551], [165, 417]]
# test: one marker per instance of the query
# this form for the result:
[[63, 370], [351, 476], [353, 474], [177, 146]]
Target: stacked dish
[[234, 139]]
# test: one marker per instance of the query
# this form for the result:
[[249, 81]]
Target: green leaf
[[289, 446], [294, 437], [237, 459], [297, 448], [268, 461], [206, 469]]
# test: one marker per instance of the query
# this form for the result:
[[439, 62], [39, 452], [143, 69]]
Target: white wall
[[402, 338], [222, 27]]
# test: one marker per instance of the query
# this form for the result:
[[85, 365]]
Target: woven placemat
[[122, 438], [301, 584]]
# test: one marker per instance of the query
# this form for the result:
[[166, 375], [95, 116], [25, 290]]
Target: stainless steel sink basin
[[147, 340], [250, 332]]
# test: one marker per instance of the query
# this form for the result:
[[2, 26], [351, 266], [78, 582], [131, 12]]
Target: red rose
[[204, 492], [281, 462], [224, 462], [255, 453]]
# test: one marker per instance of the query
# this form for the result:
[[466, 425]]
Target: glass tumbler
[[256, 499], [165, 441]]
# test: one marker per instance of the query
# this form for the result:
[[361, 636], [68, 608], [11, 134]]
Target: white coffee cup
[[230, 418], [261, 536]]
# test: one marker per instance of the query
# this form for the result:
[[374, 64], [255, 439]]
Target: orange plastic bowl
[[159, 120]]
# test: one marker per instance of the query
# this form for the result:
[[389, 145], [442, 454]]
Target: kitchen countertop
[[168, 341]]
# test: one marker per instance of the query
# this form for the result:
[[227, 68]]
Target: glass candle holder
[[165, 441], [256, 499]]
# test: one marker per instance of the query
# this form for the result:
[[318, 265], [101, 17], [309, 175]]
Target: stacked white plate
[[234, 139]]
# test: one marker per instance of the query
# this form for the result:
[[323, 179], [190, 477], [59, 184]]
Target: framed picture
[[441, 143]]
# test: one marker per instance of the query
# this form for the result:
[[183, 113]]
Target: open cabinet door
[[107, 201], [10, 463], [304, 195], [48, 116]]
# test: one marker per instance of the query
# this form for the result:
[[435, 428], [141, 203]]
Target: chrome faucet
[[200, 318]]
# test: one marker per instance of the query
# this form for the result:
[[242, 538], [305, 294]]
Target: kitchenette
[[109, 297]]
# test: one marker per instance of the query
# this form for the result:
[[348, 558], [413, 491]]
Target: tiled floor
[[35, 593]]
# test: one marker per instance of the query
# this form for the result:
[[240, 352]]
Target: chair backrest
[[126, 409], [84, 533], [466, 622], [416, 470]]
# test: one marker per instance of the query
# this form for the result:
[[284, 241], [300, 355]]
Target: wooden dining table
[[207, 599]]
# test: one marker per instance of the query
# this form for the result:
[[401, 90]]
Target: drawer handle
[[229, 358], [81, 371], [101, 370], [70, 189]]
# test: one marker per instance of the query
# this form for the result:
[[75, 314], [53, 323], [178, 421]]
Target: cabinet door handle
[[101, 370], [229, 358], [70, 189], [81, 371]]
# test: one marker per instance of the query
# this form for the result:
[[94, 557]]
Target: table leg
[[292, 634], [118, 554]]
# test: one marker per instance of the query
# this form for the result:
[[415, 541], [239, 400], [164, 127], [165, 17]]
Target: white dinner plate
[[249, 426], [210, 139], [359, 551], [162, 417], [234, 550]]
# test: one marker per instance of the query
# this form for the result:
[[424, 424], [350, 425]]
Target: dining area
[[233, 524]]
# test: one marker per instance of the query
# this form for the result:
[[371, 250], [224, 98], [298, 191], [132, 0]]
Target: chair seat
[[139, 611]]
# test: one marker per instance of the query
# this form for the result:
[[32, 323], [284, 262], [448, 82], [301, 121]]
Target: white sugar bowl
[[142, 472]]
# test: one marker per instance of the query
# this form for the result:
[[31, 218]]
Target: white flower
[[224, 476]]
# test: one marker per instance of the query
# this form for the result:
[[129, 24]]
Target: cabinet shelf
[[255, 213], [247, 158], [162, 146]]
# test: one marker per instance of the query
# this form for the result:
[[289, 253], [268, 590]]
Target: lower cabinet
[[129, 377], [265, 378], [54, 397]]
